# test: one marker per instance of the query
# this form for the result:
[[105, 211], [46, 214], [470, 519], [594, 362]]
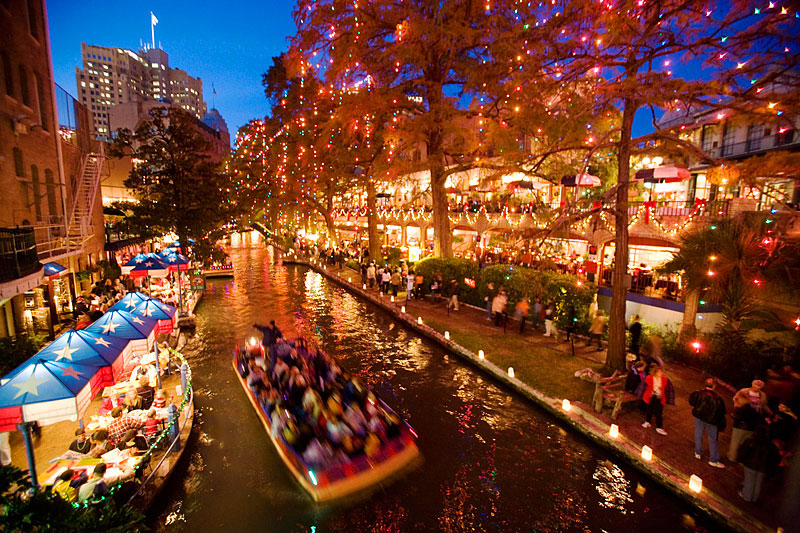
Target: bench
[[611, 391]]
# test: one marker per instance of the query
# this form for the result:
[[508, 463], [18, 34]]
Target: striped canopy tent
[[580, 180], [175, 261], [667, 174], [140, 331], [80, 346], [155, 309], [131, 264], [48, 392], [54, 270], [152, 265], [129, 302]]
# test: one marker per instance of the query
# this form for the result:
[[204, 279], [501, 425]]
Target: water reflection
[[491, 462]]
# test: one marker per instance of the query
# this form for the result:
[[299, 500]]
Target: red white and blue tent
[[133, 262], [83, 347], [129, 302], [176, 262], [155, 309], [151, 265], [140, 331], [48, 392]]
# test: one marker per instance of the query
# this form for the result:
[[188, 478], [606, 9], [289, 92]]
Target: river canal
[[491, 461]]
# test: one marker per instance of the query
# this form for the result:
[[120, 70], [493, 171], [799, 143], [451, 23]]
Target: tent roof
[[122, 324], [40, 380], [129, 302]]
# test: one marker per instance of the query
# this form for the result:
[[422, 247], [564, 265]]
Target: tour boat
[[218, 271], [341, 479]]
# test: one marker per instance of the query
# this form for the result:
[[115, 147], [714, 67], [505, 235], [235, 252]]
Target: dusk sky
[[229, 44]]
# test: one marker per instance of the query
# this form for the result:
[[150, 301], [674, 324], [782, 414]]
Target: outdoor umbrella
[[133, 262], [580, 180], [85, 348], [129, 301], [667, 174], [54, 270], [140, 331], [175, 261], [157, 310], [152, 265], [47, 392]]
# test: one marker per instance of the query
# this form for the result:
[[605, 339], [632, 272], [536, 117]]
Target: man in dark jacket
[[709, 417], [270, 333]]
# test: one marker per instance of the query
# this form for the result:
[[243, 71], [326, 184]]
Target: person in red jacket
[[655, 396]]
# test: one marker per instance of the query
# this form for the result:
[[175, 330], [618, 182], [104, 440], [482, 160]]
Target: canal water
[[491, 461]]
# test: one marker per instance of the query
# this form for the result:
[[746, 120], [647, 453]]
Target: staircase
[[79, 226]]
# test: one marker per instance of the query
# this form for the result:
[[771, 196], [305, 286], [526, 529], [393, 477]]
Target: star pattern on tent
[[139, 260], [130, 304], [110, 327], [137, 321], [146, 311], [31, 386], [102, 342], [148, 264], [71, 372], [173, 259], [66, 353]]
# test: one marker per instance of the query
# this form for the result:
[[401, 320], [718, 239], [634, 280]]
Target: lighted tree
[[427, 61], [178, 187], [629, 54]]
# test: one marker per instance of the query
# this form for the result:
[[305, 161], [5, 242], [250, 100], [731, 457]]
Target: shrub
[[449, 269], [17, 350]]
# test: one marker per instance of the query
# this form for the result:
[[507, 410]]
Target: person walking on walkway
[[597, 329], [453, 292], [371, 275], [536, 313], [499, 306], [386, 278], [420, 280], [489, 299], [745, 421], [756, 396], [549, 311], [758, 455], [363, 268], [636, 335], [521, 313], [410, 285], [658, 392], [709, 418]]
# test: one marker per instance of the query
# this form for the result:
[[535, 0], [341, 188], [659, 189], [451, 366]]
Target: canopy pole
[[25, 428], [158, 364]]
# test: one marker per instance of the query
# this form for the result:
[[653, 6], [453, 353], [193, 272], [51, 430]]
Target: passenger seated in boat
[[317, 454], [355, 419]]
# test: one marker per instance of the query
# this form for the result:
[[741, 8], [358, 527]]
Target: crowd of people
[[325, 415]]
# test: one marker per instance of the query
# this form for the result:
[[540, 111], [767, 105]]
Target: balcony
[[788, 140], [18, 254]]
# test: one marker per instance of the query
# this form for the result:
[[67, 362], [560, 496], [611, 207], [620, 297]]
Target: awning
[[663, 174], [54, 270], [580, 180]]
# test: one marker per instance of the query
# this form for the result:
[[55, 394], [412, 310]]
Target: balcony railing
[[18, 254], [779, 141]]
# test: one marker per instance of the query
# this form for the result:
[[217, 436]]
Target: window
[[754, 135], [37, 193], [19, 166], [727, 139], [33, 20], [52, 199], [784, 136], [23, 86], [43, 116]]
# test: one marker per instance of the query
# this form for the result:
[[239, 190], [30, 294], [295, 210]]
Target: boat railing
[[186, 404]]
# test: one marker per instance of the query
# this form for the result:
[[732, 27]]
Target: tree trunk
[[615, 358], [442, 234], [329, 223], [372, 223], [688, 328]]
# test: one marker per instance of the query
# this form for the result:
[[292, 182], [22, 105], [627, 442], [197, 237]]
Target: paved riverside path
[[547, 365]]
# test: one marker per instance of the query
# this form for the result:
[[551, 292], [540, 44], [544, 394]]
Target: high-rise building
[[112, 76]]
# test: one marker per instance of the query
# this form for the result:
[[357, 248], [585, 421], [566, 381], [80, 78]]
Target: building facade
[[49, 174], [114, 76]]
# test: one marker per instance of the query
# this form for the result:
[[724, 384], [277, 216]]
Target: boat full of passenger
[[335, 435], [218, 270]]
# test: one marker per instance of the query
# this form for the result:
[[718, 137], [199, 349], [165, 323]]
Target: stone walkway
[[544, 368]]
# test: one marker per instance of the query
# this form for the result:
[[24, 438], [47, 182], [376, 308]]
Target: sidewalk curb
[[579, 419]]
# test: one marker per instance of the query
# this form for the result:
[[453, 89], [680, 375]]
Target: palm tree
[[727, 261]]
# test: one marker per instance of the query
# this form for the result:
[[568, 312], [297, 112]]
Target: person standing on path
[[363, 268], [658, 392], [549, 311], [758, 455], [636, 335], [371, 275], [597, 329], [386, 278], [536, 313], [709, 418], [756, 396], [499, 306], [453, 292], [521, 313], [395, 280], [745, 421], [410, 285], [420, 280], [489, 299]]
